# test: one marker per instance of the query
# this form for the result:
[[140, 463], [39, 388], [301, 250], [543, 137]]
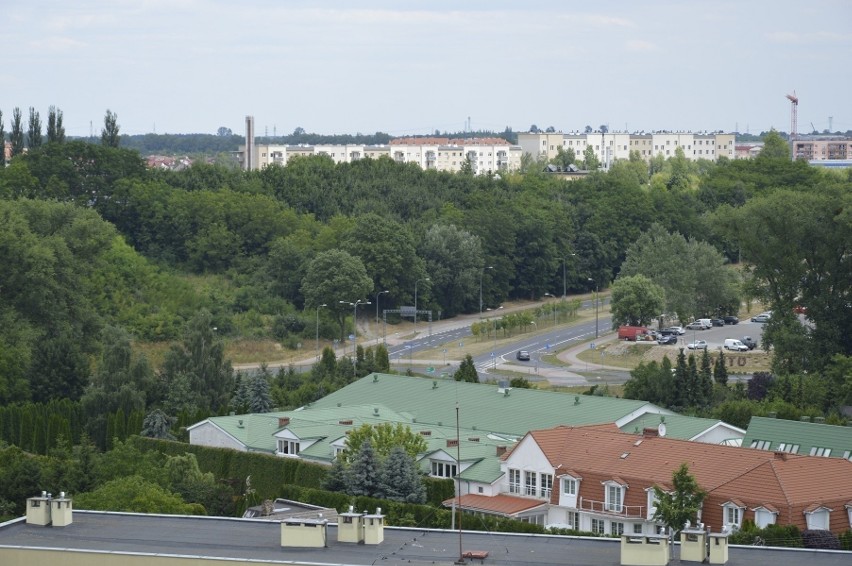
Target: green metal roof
[[486, 470], [482, 407], [808, 436], [681, 427]]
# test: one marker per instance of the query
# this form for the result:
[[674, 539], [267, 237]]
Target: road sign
[[591, 345], [430, 369], [352, 337], [547, 346], [492, 354]]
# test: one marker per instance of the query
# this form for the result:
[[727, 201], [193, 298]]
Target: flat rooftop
[[259, 540]]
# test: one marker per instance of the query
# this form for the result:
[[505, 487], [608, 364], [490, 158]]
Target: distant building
[[823, 148]]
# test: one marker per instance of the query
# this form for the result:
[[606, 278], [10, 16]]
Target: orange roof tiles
[[498, 504]]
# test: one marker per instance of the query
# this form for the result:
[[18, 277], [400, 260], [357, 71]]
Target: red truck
[[631, 332]]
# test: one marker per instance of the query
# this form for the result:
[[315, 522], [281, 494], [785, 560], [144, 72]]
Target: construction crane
[[794, 109]]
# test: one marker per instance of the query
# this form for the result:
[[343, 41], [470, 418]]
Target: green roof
[[481, 407], [486, 470], [770, 434], [681, 427]]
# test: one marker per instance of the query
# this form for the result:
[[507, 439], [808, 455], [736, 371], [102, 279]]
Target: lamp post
[[564, 278], [318, 308], [355, 319], [481, 273], [377, 304], [415, 300], [552, 296], [596, 305]]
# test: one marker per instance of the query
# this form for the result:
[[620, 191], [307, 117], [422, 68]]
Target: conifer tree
[[158, 425], [34, 129], [693, 388], [2, 141], [399, 479], [720, 370], [363, 473], [466, 371], [16, 134], [681, 384], [705, 380]]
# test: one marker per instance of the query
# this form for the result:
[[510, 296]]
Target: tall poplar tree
[[34, 129], [2, 141], [16, 135], [55, 129], [109, 135]]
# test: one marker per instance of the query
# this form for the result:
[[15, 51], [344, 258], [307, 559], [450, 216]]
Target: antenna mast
[[794, 111]]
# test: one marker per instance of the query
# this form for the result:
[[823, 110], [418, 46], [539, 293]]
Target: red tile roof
[[498, 504]]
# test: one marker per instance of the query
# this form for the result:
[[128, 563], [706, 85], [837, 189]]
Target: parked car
[[667, 340], [749, 342], [762, 317], [631, 332], [697, 345], [678, 330], [717, 322], [696, 325], [736, 345], [731, 319], [523, 356]]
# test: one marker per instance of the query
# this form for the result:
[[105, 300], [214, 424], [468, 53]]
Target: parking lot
[[716, 335]]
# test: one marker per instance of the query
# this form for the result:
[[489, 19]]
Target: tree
[[774, 147], [259, 398], [55, 129], [2, 142], [158, 424], [335, 276], [453, 260], [16, 134], [382, 439], [109, 133], [224, 132], [705, 380], [135, 495], [636, 301], [399, 479], [720, 371], [34, 130], [362, 476], [676, 507], [590, 160], [466, 371]]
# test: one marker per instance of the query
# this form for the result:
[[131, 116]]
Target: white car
[[697, 345], [679, 330]]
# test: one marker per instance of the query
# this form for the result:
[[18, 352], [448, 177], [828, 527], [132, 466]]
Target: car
[[717, 322], [696, 325], [762, 317], [697, 345], [677, 330], [731, 319], [666, 332], [523, 356], [667, 340], [750, 342], [734, 344]]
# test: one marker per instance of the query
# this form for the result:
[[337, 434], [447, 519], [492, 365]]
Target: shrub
[[824, 540], [846, 540]]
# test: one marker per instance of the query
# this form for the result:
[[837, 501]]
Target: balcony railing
[[614, 509]]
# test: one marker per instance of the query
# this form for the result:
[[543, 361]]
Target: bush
[[772, 535], [819, 539], [846, 540]]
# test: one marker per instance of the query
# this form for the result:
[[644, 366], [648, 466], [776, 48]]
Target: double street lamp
[[318, 308], [355, 319], [377, 312], [552, 296], [415, 300], [481, 273]]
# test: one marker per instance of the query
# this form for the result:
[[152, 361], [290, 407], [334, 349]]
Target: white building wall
[[208, 434]]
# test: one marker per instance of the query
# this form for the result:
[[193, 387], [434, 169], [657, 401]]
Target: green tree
[[705, 380], [590, 160], [109, 134], [362, 475], [383, 438], [16, 134], [720, 370], [134, 494], [636, 301], [774, 146], [682, 504], [399, 479], [452, 257], [335, 276], [55, 129], [158, 424], [467, 371], [34, 130]]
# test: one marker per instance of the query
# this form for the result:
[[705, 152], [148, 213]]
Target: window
[[480, 489], [514, 481], [637, 528], [791, 448], [818, 520], [443, 470], [574, 520], [614, 497], [598, 526], [530, 483], [616, 528], [569, 486], [289, 447], [763, 517], [818, 451], [546, 485], [761, 444], [733, 515]]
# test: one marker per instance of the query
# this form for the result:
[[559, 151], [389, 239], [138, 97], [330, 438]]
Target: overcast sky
[[401, 67]]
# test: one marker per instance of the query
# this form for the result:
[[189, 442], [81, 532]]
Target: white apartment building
[[489, 155], [612, 146]]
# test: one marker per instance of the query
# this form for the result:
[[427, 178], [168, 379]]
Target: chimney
[[283, 421], [452, 442], [345, 422], [501, 450], [650, 431], [425, 433], [781, 456]]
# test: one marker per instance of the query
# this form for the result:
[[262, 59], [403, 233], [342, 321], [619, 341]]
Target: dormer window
[[288, 447], [817, 519], [614, 496], [732, 511]]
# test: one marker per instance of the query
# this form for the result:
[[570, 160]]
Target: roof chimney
[[650, 431], [452, 442], [283, 421], [501, 450], [781, 456]]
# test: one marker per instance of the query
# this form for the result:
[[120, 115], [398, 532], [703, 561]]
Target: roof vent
[[473, 438], [501, 450], [376, 411], [506, 393], [434, 385], [805, 419], [425, 433], [819, 420], [375, 378], [451, 442], [576, 400], [240, 423]]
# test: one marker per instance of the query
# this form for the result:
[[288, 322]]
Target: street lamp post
[[481, 273], [415, 300], [552, 296], [564, 278], [596, 305], [377, 304], [318, 308], [355, 319]]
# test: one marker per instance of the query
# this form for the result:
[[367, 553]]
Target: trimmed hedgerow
[[824, 540]]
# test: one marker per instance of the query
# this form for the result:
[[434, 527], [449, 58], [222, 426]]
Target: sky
[[405, 67]]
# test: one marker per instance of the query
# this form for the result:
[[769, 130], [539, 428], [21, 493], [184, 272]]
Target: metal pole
[[481, 273], [377, 304], [597, 290], [458, 485], [318, 308], [415, 300]]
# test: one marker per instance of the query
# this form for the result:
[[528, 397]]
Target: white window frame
[[288, 447], [616, 528], [812, 519], [514, 480], [574, 520], [598, 526], [444, 469], [546, 489], [763, 517], [569, 486], [530, 483], [613, 491], [733, 514]]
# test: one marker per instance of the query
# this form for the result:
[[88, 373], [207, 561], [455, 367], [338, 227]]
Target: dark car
[[749, 341], [667, 340], [731, 319], [717, 321], [523, 356]]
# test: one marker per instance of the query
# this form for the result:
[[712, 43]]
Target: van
[[734, 344], [706, 322], [631, 332]]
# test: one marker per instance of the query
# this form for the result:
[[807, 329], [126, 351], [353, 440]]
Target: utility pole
[[794, 111]]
